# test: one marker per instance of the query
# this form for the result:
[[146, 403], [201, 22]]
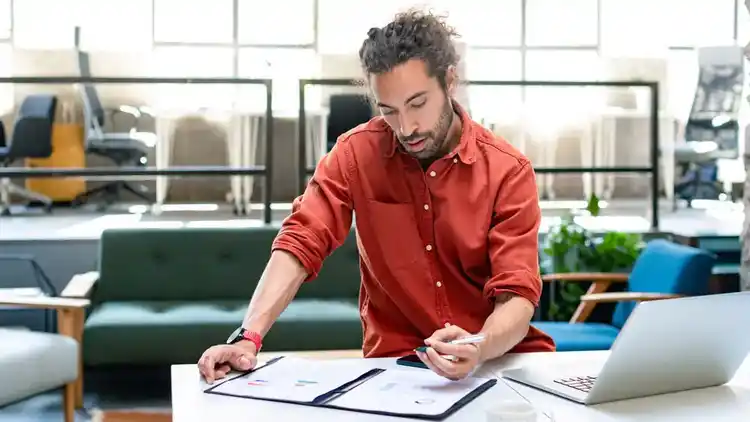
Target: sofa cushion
[[33, 362], [581, 336], [189, 263], [173, 332], [198, 263]]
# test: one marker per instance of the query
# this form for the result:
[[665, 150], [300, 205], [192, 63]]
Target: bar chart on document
[[292, 379]]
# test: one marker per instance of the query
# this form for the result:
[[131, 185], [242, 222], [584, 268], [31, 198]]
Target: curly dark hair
[[413, 34]]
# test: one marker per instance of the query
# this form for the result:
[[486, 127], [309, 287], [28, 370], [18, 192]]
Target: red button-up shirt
[[436, 246]]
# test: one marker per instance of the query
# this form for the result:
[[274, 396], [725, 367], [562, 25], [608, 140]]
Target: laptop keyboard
[[579, 383]]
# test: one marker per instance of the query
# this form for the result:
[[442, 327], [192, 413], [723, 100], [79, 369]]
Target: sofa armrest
[[44, 302], [627, 296], [81, 285], [586, 277]]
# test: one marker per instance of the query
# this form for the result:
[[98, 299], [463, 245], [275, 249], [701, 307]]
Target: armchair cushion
[[576, 337], [33, 362], [172, 332]]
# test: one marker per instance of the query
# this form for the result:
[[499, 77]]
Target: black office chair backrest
[[346, 111], [3, 140], [32, 131], [92, 97]]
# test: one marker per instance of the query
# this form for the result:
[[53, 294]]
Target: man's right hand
[[218, 360]]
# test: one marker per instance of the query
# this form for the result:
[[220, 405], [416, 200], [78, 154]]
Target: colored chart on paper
[[293, 379], [304, 383]]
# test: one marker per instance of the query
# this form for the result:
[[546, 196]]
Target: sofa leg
[[78, 383], [69, 401]]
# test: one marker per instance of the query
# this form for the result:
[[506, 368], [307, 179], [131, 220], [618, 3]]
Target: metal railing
[[113, 173], [653, 168]]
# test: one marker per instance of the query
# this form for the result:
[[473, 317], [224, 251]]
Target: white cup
[[512, 411]]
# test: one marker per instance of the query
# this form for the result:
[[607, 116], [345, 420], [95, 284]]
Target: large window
[[195, 21], [343, 25], [110, 25], [6, 70], [483, 23], [558, 106], [493, 102], [5, 19], [652, 26], [44, 24], [285, 67], [278, 22], [115, 24], [207, 62], [561, 23]]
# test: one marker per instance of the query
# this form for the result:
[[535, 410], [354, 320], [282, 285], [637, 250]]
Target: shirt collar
[[466, 149]]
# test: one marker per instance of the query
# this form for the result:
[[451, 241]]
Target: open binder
[[343, 385]]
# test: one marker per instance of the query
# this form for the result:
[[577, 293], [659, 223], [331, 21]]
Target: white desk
[[725, 403]]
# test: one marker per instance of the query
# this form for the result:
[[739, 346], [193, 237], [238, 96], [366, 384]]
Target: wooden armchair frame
[[597, 292], [70, 316], [70, 307]]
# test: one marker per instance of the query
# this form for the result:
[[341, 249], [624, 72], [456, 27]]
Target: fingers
[[218, 361], [222, 371], [243, 361], [444, 367], [207, 366], [424, 357], [446, 334], [461, 351]]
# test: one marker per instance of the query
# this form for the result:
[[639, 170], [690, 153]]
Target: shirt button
[[428, 247], [455, 160], [438, 284], [433, 174], [426, 207]]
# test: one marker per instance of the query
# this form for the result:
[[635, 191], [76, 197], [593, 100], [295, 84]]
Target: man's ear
[[451, 80]]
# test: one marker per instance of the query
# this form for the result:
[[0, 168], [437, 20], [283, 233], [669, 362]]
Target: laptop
[[665, 346]]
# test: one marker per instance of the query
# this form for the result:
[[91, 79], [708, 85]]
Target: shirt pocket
[[394, 230]]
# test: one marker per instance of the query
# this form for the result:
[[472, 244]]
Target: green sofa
[[162, 296]]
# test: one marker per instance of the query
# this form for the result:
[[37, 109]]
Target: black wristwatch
[[241, 334]]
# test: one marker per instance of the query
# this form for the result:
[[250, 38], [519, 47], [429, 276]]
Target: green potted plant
[[571, 248]]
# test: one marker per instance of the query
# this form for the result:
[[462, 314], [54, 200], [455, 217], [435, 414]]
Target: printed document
[[407, 392], [292, 379]]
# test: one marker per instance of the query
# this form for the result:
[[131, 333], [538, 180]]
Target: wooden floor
[[130, 416]]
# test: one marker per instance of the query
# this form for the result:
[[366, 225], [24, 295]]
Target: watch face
[[235, 336]]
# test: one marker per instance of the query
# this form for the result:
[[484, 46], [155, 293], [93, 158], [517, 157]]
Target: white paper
[[407, 392], [292, 379]]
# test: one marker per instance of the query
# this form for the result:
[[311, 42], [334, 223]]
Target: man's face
[[416, 107]]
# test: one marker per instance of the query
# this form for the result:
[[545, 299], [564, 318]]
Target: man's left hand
[[467, 356]]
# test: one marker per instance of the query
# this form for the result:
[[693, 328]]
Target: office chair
[[346, 112], [32, 138], [123, 148], [712, 131]]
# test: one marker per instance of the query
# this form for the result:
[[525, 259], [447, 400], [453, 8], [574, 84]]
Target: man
[[447, 220]]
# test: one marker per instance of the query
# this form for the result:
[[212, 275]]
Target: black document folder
[[345, 385]]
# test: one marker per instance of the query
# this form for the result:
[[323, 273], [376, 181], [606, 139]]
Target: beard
[[435, 140]]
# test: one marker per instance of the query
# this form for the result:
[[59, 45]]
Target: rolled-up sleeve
[[322, 216], [514, 237]]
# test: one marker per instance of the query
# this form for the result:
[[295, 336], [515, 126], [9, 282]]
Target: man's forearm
[[506, 326], [277, 287]]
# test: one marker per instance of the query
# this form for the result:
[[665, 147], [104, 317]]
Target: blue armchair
[[664, 270]]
